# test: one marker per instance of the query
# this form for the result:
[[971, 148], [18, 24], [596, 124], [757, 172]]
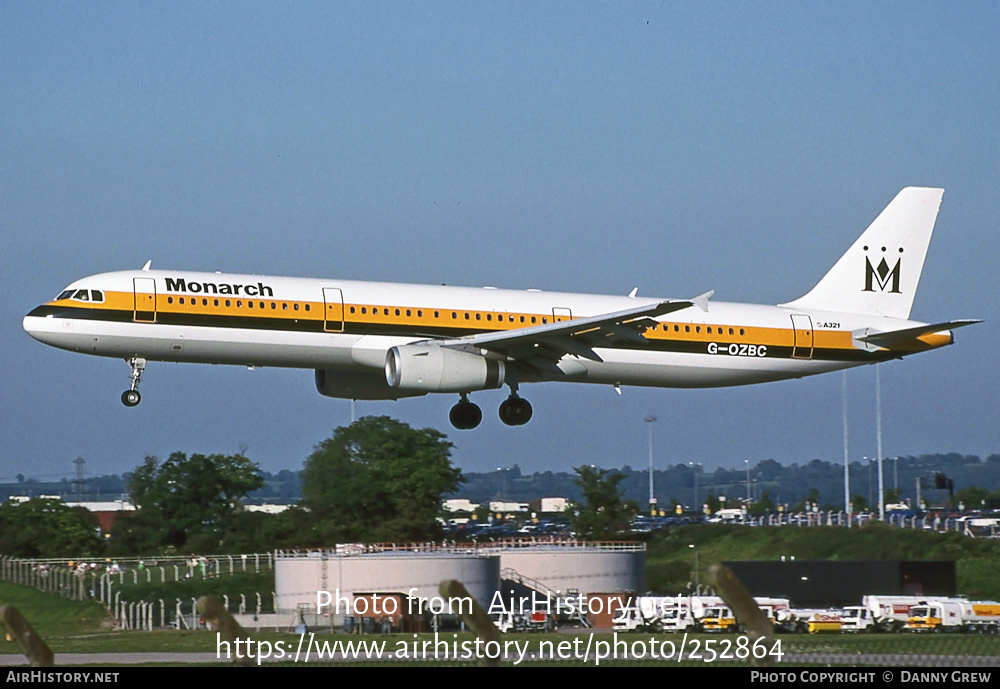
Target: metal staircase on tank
[[567, 603]]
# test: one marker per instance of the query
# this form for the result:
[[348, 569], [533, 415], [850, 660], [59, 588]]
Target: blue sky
[[591, 147]]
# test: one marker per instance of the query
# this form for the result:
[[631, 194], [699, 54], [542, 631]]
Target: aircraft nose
[[35, 321]]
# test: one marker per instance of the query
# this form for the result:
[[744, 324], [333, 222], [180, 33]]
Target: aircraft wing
[[579, 336], [889, 338]]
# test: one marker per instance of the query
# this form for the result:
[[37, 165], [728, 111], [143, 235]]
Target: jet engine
[[431, 368]]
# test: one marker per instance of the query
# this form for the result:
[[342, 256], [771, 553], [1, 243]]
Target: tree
[[44, 527], [184, 498], [602, 512], [378, 480], [763, 506], [714, 504]]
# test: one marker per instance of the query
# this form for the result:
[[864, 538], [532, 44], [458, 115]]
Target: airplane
[[386, 341]]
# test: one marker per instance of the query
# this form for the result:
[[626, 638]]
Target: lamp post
[[652, 498], [694, 470], [696, 579], [878, 439]]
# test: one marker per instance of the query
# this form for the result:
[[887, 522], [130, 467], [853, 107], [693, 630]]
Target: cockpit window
[[93, 295]]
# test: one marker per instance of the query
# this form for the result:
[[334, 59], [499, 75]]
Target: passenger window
[[274, 306], [170, 300], [295, 306], [239, 303], [364, 310], [730, 331], [407, 313], [307, 307], [687, 328], [216, 302], [181, 300], [228, 302], [204, 302], [466, 315], [397, 312], [533, 319]]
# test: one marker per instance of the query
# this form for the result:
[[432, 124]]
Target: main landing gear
[[466, 415], [515, 410], [131, 397]]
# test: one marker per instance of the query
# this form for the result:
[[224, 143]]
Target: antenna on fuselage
[[148, 263]]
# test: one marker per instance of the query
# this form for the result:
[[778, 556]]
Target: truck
[[719, 618], [663, 613], [879, 613], [955, 615]]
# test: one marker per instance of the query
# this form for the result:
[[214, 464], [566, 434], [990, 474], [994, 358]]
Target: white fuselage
[[344, 325]]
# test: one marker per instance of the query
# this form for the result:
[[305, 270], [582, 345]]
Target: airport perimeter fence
[[967, 527], [85, 579]]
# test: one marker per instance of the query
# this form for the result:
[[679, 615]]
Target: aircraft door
[[333, 313], [144, 310], [802, 347], [561, 313]]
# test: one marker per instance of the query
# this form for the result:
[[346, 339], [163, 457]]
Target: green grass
[[232, 585], [52, 616]]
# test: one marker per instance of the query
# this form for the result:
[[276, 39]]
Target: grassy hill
[[670, 560], [51, 615]]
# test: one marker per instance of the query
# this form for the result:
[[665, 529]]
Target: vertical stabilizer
[[879, 273]]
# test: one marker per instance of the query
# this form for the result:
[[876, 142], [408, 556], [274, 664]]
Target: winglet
[[148, 264], [701, 301]]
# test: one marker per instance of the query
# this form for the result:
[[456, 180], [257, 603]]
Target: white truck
[[955, 615], [879, 613], [663, 613]]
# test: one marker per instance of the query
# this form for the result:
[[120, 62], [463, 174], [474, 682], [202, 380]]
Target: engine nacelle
[[430, 368], [357, 385]]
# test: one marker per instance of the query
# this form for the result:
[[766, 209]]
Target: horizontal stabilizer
[[887, 339]]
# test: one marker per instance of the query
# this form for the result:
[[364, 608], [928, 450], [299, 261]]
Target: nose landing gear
[[131, 397]]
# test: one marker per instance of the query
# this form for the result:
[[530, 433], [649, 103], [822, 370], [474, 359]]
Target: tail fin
[[879, 273]]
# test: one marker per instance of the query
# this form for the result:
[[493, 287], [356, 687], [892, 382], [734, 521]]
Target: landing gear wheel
[[515, 411], [131, 397], [465, 415]]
